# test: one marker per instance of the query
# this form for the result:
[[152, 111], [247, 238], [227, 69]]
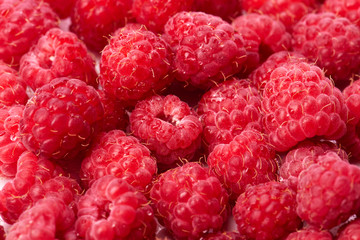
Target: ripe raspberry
[[303, 155], [190, 201], [299, 102], [328, 192], [49, 218], [247, 160], [261, 75], [332, 42], [94, 21], [310, 233], [113, 209], [207, 49], [61, 118], [11, 146], [266, 211], [226, 9], [228, 109], [168, 127], [12, 88], [350, 231], [57, 54], [62, 8], [135, 64], [123, 156], [224, 236], [21, 25], [287, 12], [269, 35], [155, 13], [344, 8]]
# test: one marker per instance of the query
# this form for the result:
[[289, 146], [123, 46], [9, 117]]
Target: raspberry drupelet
[[310, 233], [207, 49], [57, 54], [344, 8], [190, 201]]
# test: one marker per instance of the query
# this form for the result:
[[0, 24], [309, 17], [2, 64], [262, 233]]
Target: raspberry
[[332, 42], [2, 233], [94, 21], [247, 160], [328, 192], [61, 118], [303, 155], [207, 49], [228, 109], [350, 231], [11, 146], [123, 156], [22, 23], [57, 54], [12, 88], [135, 64], [266, 211], [190, 201], [309, 233], [224, 236], [226, 9], [344, 8], [113, 209], [299, 102], [168, 127], [62, 8], [49, 218], [155, 13]]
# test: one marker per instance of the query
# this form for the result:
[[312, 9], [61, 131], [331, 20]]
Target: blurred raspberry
[[350, 231], [344, 8], [61, 7], [57, 54], [226, 9]]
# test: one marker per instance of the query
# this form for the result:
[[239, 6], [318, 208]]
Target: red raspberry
[[303, 155], [226, 9], [49, 218], [266, 211], [207, 49], [332, 42], [299, 102], [12, 88], [61, 118], [62, 8], [113, 209], [261, 75], [155, 13], [135, 64], [288, 12], [310, 234], [21, 24], [94, 21], [344, 8], [228, 109], [123, 156], [350, 231], [190, 201], [247, 160], [168, 127], [224, 236], [328, 192], [57, 54], [2, 233]]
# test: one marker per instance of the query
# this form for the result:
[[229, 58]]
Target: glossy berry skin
[[226, 9], [344, 8], [266, 211], [228, 109], [299, 102], [207, 49], [21, 25], [332, 42], [350, 231], [57, 54], [135, 64], [247, 160], [189, 201], [310, 233], [113, 209], [328, 192], [61, 118], [93, 21], [168, 127], [114, 153]]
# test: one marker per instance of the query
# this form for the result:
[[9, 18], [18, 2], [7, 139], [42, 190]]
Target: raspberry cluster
[[179, 120]]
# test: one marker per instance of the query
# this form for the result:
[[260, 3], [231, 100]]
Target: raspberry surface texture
[[266, 211], [135, 64], [299, 102], [207, 49], [61, 118], [113, 209], [310, 233], [345, 8], [224, 236], [189, 201], [57, 54], [62, 8], [22, 22], [168, 127], [350, 230], [332, 42]]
